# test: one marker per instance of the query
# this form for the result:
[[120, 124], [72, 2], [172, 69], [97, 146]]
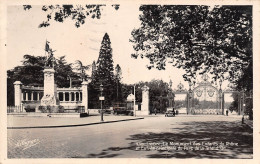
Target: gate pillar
[[223, 103], [189, 94], [145, 102], [17, 93], [188, 102], [85, 95]]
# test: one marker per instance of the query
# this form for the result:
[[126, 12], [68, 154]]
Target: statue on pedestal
[[50, 88], [49, 63], [50, 59]]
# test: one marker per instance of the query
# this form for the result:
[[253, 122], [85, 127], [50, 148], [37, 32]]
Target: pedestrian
[[227, 112], [173, 111], [155, 110]]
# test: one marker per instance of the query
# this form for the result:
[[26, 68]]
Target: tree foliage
[[94, 68], [104, 73], [81, 69], [31, 72], [196, 38], [234, 106], [63, 71], [118, 72], [77, 13], [158, 92]]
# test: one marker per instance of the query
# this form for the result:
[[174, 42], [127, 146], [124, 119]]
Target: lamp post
[[134, 102], [242, 103], [101, 98], [220, 84], [189, 97], [220, 97]]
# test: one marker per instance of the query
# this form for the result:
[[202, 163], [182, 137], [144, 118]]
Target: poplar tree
[[118, 77]]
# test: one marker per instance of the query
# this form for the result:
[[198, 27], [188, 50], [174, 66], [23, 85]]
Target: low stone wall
[[33, 114]]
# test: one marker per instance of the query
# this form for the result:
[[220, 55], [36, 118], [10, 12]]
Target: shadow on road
[[214, 131]]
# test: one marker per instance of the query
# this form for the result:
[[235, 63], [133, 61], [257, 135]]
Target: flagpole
[[45, 47], [45, 53]]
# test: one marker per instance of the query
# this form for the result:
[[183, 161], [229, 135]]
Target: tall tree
[[30, 72], [105, 71], [118, 77], [94, 68], [82, 70], [63, 71], [196, 38]]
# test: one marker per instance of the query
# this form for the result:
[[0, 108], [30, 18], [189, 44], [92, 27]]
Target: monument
[[50, 88], [145, 102], [50, 98]]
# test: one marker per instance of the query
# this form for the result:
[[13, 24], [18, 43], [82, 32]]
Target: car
[[122, 109], [106, 111], [170, 112]]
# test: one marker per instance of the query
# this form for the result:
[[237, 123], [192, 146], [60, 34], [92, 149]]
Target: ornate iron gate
[[208, 99], [205, 98]]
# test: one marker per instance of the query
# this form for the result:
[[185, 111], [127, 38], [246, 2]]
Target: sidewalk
[[18, 122], [249, 123]]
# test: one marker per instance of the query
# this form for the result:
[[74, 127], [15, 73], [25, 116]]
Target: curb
[[59, 126], [249, 125]]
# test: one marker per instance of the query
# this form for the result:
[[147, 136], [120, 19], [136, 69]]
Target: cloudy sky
[[24, 37]]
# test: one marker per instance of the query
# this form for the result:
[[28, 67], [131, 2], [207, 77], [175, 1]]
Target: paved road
[[152, 137], [17, 122]]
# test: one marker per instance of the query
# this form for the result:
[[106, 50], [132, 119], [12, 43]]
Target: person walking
[[227, 112], [155, 110]]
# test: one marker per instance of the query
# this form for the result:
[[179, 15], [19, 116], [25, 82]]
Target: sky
[[83, 43]]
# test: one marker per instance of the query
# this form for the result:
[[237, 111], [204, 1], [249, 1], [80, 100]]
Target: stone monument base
[[49, 100], [142, 113]]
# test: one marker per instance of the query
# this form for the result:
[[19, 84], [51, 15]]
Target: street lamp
[[101, 98], [190, 84], [220, 83], [242, 105], [134, 102], [189, 97], [220, 97]]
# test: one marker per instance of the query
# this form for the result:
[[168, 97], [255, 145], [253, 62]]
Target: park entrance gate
[[206, 98]]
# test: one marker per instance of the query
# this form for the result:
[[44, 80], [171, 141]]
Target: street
[[199, 136]]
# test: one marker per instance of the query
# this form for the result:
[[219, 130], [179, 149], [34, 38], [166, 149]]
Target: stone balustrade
[[31, 95]]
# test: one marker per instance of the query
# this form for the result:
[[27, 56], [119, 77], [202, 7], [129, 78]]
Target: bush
[[43, 109], [60, 109], [29, 108], [250, 115], [51, 109]]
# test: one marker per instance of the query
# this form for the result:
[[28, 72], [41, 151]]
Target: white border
[[256, 67]]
